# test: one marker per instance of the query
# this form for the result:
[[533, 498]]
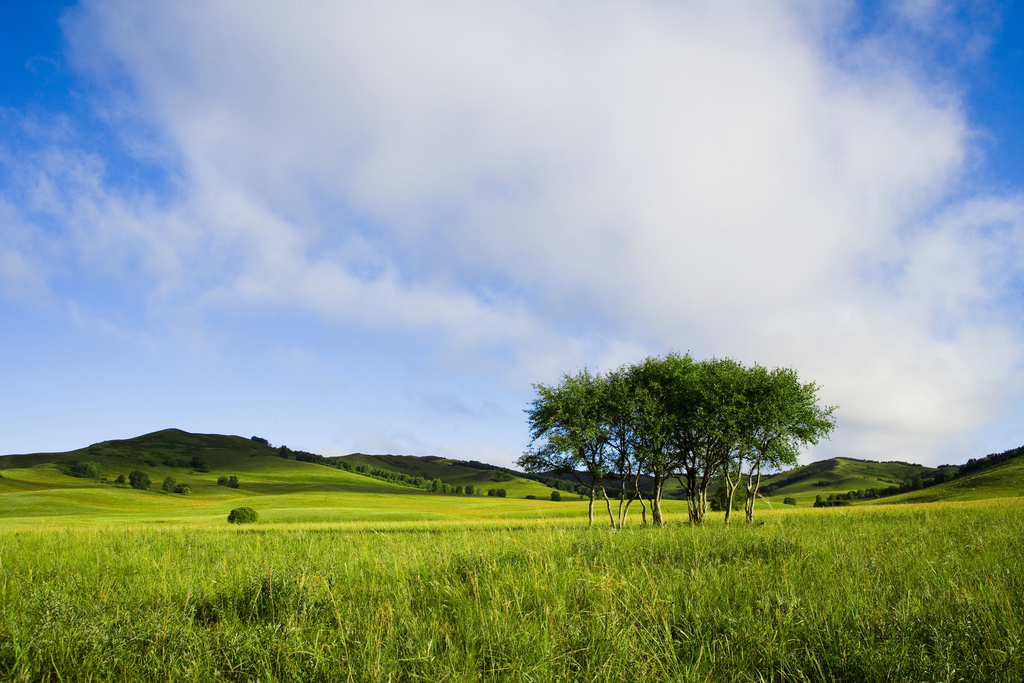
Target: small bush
[[183, 489], [121, 479], [261, 440], [139, 480], [831, 503], [531, 498], [86, 470], [470, 490], [498, 493], [556, 496], [788, 500], [199, 464], [169, 484], [230, 482], [243, 516]]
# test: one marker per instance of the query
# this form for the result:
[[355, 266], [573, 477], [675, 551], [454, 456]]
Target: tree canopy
[[673, 417]]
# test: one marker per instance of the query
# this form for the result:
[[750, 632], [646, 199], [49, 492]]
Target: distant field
[[888, 593]]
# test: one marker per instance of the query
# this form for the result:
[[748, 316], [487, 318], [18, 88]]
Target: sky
[[374, 226]]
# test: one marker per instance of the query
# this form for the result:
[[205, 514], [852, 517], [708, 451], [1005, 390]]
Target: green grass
[[893, 593]]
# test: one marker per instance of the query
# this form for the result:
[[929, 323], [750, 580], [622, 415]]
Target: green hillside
[[39, 486], [1004, 480], [454, 472], [838, 475]]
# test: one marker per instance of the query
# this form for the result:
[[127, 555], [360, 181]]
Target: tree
[[169, 484], [556, 496], [620, 408], [660, 386], [139, 480], [121, 479], [789, 500], [85, 469], [243, 515], [470, 490], [568, 422], [707, 431], [783, 416]]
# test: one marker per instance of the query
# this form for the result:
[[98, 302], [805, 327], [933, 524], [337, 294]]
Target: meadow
[[870, 593]]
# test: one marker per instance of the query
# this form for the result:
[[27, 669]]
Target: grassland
[[892, 593], [349, 578]]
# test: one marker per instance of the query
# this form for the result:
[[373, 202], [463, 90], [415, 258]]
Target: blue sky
[[371, 228]]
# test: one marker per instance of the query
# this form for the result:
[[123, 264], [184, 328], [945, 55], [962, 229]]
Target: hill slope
[[838, 475], [38, 486]]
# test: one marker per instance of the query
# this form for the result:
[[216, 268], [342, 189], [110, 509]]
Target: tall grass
[[930, 593]]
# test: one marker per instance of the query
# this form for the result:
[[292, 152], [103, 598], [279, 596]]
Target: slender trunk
[[632, 497], [753, 484], [656, 518], [608, 502], [590, 507], [622, 502], [692, 496], [625, 510], [731, 488]]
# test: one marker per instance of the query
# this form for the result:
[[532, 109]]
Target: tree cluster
[[673, 417]]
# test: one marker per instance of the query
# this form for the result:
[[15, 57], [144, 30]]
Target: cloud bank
[[539, 186]]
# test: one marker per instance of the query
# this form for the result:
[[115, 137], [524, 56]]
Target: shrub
[[470, 490], [498, 493], [199, 464], [86, 469], [230, 482], [263, 441], [831, 503], [139, 480], [121, 479], [243, 516], [183, 489], [556, 496], [458, 489], [531, 497], [788, 500], [169, 484]]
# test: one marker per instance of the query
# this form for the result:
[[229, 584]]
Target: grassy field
[[894, 593]]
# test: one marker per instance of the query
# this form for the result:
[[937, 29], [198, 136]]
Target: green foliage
[[183, 489], [85, 469], [199, 464], [230, 482], [497, 493], [121, 479], [531, 497], [139, 480], [556, 496], [470, 490], [789, 500], [169, 484], [261, 440], [243, 515]]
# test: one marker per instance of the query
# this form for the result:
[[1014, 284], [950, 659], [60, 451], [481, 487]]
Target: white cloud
[[584, 182]]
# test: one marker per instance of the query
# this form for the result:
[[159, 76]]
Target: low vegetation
[[856, 594], [243, 515]]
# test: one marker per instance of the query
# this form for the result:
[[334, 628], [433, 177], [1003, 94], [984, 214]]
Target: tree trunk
[[590, 508], [608, 502], [732, 489], [656, 518], [752, 486]]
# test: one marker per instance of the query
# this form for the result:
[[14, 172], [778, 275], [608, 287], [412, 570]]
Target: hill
[[839, 476], [41, 485]]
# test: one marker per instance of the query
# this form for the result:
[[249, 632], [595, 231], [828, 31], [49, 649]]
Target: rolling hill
[[40, 486]]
